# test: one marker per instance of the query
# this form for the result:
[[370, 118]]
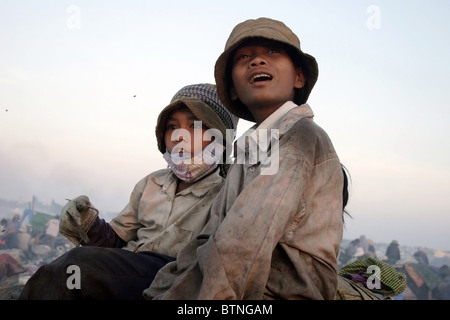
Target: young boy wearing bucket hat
[[276, 235], [167, 208]]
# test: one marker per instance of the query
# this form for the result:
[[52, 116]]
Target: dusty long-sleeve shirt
[[270, 236], [161, 220]]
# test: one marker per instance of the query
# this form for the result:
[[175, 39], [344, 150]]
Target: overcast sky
[[70, 124]]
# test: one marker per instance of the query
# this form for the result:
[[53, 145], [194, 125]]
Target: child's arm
[[102, 235]]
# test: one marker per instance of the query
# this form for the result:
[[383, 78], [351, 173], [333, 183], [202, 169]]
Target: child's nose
[[182, 135], [257, 60]]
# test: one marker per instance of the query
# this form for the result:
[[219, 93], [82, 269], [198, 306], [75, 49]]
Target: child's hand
[[76, 219]]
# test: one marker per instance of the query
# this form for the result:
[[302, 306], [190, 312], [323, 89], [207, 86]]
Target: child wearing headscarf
[[167, 208]]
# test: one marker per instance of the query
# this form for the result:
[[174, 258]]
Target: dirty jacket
[[270, 236], [157, 219]]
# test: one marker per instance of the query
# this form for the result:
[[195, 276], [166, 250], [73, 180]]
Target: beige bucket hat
[[202, 100], [272, 30]]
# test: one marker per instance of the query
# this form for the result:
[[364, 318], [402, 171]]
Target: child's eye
[[170, 127], [242, 57], [274, 51]]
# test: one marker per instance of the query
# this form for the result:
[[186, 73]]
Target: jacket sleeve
[[102, 235]]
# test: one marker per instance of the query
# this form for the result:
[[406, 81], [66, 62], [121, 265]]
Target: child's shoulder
[[300, 118], [158, 176], [305, 133]]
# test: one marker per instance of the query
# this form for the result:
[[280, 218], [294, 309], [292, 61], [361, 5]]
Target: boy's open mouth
[[261, 77]]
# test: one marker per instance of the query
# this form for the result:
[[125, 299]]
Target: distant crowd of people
[[25, 245], [426, 282], [361, 248], [17, 233]]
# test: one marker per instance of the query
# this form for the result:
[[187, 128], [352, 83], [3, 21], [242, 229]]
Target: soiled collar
[[271, 122]]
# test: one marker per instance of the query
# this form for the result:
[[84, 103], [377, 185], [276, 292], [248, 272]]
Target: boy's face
[[264, 77], [183, 134]]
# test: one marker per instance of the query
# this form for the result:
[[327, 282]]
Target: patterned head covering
[[202, 100]]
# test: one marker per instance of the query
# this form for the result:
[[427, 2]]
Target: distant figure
[[10, 234], [27, 216], [444, 287], [363, 243], [51, 232], [371, 249], [14, 224], [359, 254], [3, 225], [393, 252], [349, 252], [421, 256]]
